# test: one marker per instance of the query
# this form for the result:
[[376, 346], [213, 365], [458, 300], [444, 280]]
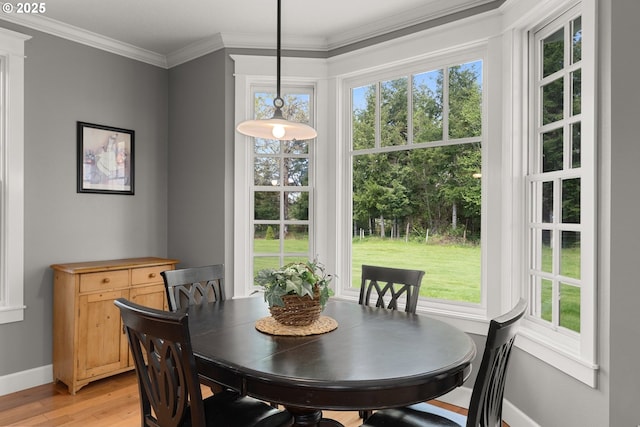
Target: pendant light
[[277, 127]]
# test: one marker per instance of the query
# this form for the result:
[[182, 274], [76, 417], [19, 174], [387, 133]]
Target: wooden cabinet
[[89, 342]]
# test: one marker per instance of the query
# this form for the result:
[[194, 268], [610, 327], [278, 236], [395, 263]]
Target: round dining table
[[376, 358]]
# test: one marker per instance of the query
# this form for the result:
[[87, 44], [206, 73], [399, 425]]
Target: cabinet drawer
[[104, 280], [141, 276]]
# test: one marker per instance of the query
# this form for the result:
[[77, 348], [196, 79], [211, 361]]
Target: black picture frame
[[105, 159]]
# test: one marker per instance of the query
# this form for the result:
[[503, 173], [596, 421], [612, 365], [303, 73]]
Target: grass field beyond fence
[[452, 271]]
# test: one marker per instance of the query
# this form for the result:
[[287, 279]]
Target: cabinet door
[[102, 342], [150, 296], [153, 296]]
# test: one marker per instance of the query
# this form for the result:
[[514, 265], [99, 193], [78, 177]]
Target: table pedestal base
[[311, 418]]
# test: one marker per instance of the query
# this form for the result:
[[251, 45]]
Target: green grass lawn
[[452, 271], [569, 295]]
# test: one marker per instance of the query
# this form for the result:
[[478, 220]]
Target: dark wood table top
[[376, 358]]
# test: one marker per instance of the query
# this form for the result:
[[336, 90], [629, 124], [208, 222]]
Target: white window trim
[[12, 176], [575, 358], [440, 62], [283, 189], [473, 38], [253, 71]]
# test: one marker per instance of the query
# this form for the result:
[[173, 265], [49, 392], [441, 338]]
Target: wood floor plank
[[111, 402]]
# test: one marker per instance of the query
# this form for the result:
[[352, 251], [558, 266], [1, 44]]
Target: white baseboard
[[510, 414], [26, 379]]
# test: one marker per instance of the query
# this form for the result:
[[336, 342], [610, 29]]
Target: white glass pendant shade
[[275, 128]]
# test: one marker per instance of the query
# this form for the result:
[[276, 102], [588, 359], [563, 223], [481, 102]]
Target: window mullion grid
[[252, 196], [556, 250], [567, 96]]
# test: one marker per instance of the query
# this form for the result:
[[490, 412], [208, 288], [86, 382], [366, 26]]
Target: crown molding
[[195, 50], [69, 32], [241, 41], [429, 12], [257, 41], [433, 11]]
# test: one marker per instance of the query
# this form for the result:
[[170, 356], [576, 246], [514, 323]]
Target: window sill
[[557, 357], [12, 314]]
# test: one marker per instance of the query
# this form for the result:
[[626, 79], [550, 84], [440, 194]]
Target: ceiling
[[164, 27]]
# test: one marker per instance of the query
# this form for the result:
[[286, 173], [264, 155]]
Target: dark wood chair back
[[392, 284], [167, 377], [485, 408], [195, 285]]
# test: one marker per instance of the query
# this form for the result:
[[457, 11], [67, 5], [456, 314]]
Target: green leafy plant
[[270, 235], [297, 278]]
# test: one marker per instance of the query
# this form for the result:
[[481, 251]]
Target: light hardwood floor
[[112, 402]]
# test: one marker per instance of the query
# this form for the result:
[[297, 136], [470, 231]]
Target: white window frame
[[478, 37], [438, 62], [259, 71], [282, 188], [575, 356], [12, 176]]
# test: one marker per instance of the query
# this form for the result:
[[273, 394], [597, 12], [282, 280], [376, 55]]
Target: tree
[[426, 187]]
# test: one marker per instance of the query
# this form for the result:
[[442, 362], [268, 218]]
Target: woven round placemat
[[271, 326]]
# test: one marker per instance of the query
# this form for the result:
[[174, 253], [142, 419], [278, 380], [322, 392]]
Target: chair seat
[[229, 409], [419, 415]]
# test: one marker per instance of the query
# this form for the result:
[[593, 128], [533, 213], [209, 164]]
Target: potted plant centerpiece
[[296, 293]]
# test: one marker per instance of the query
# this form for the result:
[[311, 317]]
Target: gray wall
[[625, 201], [197, 131], [66, 82]]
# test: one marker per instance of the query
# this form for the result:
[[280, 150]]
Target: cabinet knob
[[152, 275], [106, 280]]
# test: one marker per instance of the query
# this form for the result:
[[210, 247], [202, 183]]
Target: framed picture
[[105, 159]]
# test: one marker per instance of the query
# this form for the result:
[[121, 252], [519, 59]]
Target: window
[[282, 187], [560, 193], [274, 186], [416, 166], [555, 174], [11, 176]]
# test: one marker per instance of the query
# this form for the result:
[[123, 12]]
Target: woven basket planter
[[297, 310]]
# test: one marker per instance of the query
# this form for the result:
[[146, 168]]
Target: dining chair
[[485, 409], [194, 285], [170, 393], [392, 284]]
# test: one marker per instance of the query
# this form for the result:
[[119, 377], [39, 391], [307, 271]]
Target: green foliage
[[269, 235], [393, 112], [267, 205], [298, 278], [427, 106], [421, 187], [465, 102]]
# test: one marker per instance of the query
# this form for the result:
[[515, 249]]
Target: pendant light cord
[[278, 51]]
